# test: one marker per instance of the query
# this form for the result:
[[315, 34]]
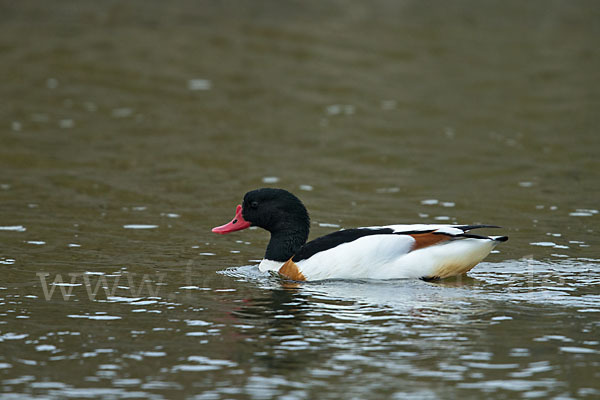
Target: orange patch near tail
[[427, 239], [448, 270], [291, 271]]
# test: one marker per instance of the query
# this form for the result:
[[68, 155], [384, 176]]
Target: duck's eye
[[254, 204]]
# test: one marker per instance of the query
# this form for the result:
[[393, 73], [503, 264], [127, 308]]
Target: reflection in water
[[385, 322], [267, 337]]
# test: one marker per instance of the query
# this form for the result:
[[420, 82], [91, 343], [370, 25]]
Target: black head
[[275, 210], [279, 212]]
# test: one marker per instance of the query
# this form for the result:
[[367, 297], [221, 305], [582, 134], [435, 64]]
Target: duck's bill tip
[[237, 223]]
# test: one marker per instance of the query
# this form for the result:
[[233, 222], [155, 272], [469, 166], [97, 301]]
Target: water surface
[[128, 130]]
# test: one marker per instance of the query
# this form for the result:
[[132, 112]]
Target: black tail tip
[[501, 238]]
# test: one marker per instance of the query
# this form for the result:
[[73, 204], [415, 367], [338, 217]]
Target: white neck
[[270, 265]]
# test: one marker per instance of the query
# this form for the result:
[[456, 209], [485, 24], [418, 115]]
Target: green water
[[129, 129]]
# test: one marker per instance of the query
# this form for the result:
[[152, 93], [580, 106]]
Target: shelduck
[[423, 251]]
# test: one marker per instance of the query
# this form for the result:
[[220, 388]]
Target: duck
[[424, 251]]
